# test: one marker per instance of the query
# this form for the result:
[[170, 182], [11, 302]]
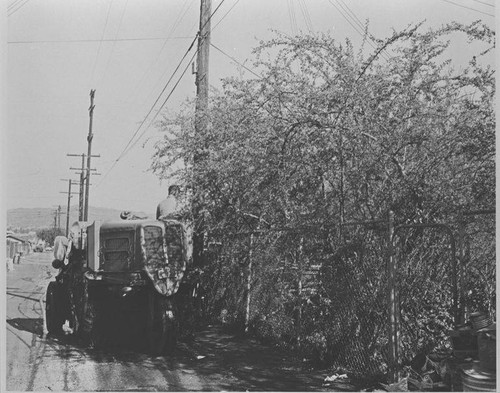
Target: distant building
[[17, 245]]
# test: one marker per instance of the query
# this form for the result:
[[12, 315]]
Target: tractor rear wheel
[[92, 329]]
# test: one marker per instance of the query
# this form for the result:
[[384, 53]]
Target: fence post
[[461, 240], [299, 291], [249, 284], [392, 303]]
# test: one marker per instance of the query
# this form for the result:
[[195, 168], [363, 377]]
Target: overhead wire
[[353, 14], [98, 40], [166, 70], [305, 14], [163, 104], [483, 2], [100, 43], [362, 27], [14, 4], [356, 25], [130, 145], [171, 77], [468, 8], [251, 71], [236, 61], [114, 42], [221, 19], [179, 18], [158, 98], [291, 16], [11, 12]]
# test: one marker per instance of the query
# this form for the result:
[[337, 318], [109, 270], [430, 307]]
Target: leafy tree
[[48, 235], [327, 135]]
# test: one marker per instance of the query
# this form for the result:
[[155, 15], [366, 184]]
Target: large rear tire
[[162, 324], [92, 329], [54, 314]]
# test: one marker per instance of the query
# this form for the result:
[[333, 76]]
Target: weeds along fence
[[300, 288], [334, 296], [477, 254], [427, 288]]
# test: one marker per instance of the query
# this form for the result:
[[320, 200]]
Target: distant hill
[[35, 218]]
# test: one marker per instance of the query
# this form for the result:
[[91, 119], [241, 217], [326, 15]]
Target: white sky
[[48, 82]]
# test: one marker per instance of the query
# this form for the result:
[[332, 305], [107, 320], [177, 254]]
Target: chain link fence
[[427, 291], [478, 262], [328, 293]]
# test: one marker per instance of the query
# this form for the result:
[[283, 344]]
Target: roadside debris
[[334, 377], [66, 329], [401, 386]]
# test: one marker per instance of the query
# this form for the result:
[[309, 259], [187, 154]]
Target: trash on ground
[[401, 386], [66, 329], [334, 377]]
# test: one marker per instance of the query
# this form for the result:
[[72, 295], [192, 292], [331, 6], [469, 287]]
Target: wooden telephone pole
[[82, 171], [70, 182], [89, 155], [201, 124]]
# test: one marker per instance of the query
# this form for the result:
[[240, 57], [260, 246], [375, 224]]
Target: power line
[[213, 28], [236, 61], [469, 8], [482, 2], [350, 20], [114, 42], [14, 4], [221, 19], [97, 40], [291, 15], [100, 43], [124, 151], [161, 77], [164, 103], [305, 14], [174, 26], [18, 8], [127, 148], [158, 98], [358, 22], [248, 69], [349, 10]]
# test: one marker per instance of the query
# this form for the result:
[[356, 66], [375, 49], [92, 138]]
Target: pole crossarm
[[79, 169], [83, 154]]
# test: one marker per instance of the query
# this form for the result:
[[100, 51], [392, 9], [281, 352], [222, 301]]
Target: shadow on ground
[[221, 360], [31, 325]]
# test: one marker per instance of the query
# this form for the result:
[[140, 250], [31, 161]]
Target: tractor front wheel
[[162, 325], [54, 314]]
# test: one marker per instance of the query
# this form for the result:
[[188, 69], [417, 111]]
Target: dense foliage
[[325, 135], [48, 235]]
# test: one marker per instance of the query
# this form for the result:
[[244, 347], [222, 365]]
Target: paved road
[[213, 361]]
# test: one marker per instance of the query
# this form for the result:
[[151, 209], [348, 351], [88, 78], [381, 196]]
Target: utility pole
[[89, 155], [70, 182], [82, 170], [81, 199], [201, 125], [59, 217]]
